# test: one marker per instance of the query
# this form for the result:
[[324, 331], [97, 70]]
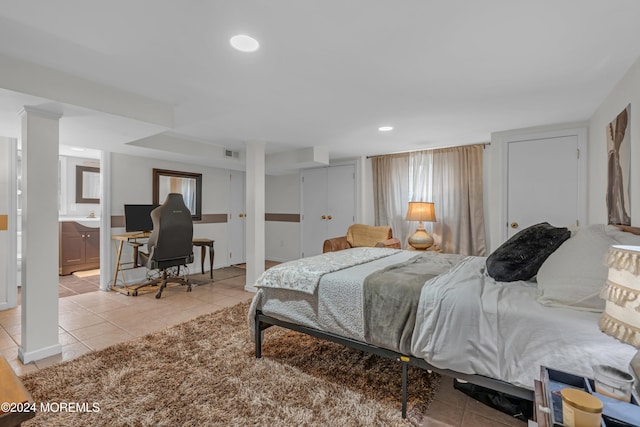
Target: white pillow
[[622, 237], [576, 272]]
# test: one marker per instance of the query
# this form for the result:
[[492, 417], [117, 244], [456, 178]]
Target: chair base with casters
[[165, 277]]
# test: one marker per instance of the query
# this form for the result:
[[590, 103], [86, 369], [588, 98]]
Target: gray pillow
[[520, 257]]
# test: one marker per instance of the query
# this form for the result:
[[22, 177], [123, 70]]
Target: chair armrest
[[335, 244], [389, 243]]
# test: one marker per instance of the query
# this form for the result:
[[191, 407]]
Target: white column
[[8, 247], [106, 247], [254, 237], [40, 152]]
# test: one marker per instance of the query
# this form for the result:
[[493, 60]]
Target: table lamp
[[421, 211]]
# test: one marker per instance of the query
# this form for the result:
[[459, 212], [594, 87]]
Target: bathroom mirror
[[87, 184], [186, 183]]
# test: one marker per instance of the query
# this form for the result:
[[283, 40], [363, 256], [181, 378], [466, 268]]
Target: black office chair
[[170, 243]]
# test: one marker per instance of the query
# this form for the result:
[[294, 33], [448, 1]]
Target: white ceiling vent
[[231, 154]]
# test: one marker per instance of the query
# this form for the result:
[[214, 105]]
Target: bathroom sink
[[82, 220]]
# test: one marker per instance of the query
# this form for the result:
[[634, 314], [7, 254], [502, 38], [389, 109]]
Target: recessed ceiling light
[[385, 128], [244, 43]]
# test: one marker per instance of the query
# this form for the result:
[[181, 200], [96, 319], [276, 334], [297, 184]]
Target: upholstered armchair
[[359, 235]]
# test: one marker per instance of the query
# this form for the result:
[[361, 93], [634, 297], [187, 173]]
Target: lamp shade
[[421, 211], [621, 317]]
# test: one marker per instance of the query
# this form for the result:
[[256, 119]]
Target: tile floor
[[94, 320]]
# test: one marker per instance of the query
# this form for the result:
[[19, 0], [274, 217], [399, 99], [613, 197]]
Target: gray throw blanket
[[391, 298]]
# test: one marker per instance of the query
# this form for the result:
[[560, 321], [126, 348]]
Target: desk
[[120, 239], [204, 244]]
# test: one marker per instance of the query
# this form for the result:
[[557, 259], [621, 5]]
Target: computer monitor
[[138, 217]]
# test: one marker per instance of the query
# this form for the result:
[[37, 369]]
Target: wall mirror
[[87, 184], [186, 183]]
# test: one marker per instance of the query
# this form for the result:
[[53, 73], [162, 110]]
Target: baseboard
[[6, 306], [276, 259], [39, 354]]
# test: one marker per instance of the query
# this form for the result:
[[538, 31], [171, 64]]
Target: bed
[[446, 313]]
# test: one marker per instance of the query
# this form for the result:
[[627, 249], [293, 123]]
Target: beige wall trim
[[282, 217], [117, 221], [212, 218]]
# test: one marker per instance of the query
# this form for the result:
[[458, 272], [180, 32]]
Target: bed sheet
[[473, 324]]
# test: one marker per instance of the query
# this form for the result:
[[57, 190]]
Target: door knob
[[241, 215], [323, 217], [329, 217], [514, 225]]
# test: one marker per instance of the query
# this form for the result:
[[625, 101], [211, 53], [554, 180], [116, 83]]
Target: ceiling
[[328, 73]]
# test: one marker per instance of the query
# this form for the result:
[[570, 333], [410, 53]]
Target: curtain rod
[[484, 145]]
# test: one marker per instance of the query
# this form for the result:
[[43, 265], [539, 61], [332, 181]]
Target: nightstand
[[434, 248]]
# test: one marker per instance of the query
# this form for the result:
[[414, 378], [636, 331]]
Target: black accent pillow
[[520, 257]]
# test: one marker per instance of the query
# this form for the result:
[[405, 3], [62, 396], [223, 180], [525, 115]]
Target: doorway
[[328, 205], [545, 180], [236, 218]]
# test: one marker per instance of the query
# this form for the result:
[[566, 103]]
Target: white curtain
[[451, 178], [186, 187], [391, 191], [420, 187]]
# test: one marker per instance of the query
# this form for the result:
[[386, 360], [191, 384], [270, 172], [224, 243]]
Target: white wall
[[283, 194], [626, 92], [282, 239], [131, 183], [366, 213]]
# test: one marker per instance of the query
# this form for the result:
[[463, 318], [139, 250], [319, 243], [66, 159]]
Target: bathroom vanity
[[79, 244]]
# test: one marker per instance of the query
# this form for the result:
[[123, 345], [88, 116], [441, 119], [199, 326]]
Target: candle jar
[[612, 382], [580, 409]]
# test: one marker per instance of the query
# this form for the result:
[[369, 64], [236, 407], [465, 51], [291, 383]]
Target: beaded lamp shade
[[621, 318]]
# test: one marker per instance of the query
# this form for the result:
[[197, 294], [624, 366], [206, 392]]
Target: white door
[[341, 202], [236, 217], [314, 210], [328, 205], [543, 183]]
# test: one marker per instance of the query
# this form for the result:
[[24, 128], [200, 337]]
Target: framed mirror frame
[[81, 196], [158, 198]]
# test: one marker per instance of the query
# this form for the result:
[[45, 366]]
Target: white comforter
[[466, 322], [473, 324]]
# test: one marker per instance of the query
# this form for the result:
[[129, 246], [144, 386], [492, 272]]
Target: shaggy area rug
[[203, 373]]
